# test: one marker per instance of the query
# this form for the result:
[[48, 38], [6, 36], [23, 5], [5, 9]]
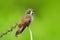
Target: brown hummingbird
[[25, 21]]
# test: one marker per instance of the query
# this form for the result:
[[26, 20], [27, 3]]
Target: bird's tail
[[9, 30], [20, 30]]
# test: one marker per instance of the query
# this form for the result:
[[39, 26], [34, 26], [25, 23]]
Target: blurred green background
[[46, 24]]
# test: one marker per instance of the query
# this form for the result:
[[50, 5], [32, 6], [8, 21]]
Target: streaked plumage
[[25, 21]]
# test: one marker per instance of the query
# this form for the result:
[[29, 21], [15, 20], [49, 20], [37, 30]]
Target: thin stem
[[31, 38], [9, 30]]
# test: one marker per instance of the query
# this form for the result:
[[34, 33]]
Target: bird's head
[[30, 11]]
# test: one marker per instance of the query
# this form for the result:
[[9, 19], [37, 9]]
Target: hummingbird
[[25, 21]]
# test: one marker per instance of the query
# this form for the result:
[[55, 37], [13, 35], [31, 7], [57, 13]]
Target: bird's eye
[[28, 12]]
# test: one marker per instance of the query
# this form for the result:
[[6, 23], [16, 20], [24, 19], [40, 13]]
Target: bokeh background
[[46, 24]]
